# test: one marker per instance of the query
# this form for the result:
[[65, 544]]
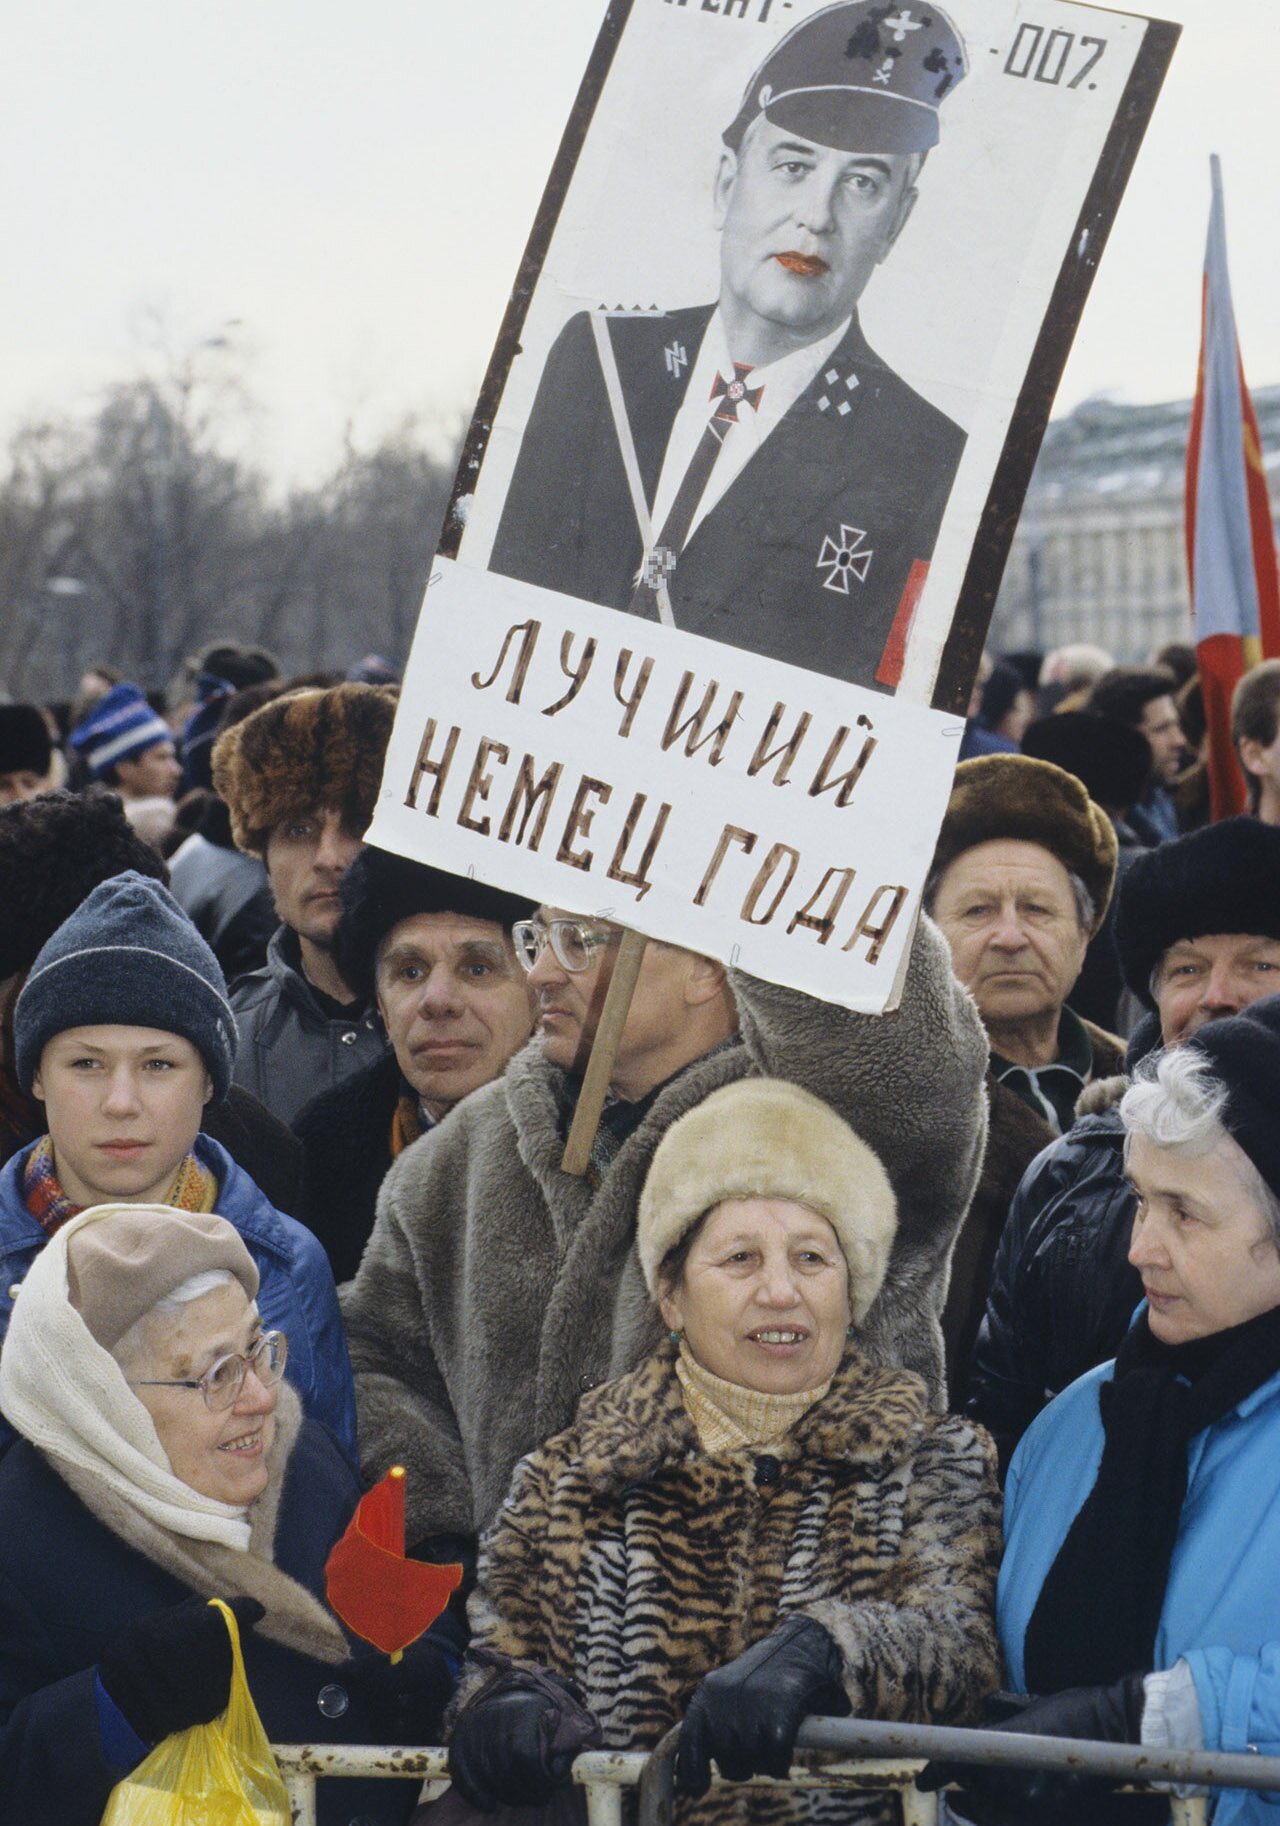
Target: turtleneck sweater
[[730, 1418]]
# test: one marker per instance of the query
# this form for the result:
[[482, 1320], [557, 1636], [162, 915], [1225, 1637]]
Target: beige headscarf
[[61, 1390]]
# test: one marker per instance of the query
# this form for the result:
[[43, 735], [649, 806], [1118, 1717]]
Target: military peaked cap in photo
[[863, 76]]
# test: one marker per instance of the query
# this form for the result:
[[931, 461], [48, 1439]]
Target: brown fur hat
[[303, 751], [765, 1138], [1011, 796]]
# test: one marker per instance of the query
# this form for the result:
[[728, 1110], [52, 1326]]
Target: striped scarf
[[194, 1188]]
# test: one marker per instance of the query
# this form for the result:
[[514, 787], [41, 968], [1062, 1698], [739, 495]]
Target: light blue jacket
[[296, 1294], [1222, 1602]]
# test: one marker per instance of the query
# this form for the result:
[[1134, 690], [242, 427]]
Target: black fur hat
[[54, 850], [1224, 878], [380, 889], [1243, 1053]]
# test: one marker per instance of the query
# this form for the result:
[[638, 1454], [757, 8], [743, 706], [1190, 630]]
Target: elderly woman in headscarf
[[1138, 1597], [756, 1524], [162, 1461]]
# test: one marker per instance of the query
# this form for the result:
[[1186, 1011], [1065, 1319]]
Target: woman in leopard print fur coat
[[757, 1523]]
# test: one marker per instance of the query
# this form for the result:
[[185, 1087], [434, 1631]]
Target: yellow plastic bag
[[220, 1774]]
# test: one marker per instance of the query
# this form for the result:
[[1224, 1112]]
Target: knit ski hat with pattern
[[120, 726]]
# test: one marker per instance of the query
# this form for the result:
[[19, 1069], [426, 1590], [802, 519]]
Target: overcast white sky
[[353, 184]]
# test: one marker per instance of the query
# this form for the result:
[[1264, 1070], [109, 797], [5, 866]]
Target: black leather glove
[[173, 1668], [499, 1754], [409, 1696], [992, 1797], [747, 1715]]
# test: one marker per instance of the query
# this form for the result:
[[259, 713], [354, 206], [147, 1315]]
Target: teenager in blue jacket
[[1138, 1598], [124, 1033]]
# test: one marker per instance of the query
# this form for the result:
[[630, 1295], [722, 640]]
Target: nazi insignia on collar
[[837, 388], [846, 556]]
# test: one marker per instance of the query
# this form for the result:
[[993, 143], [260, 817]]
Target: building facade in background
[[1099, 554]]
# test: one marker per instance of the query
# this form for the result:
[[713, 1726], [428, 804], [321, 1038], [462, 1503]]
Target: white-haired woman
[[1139, 1596], [757, 1523], [162, 1461]]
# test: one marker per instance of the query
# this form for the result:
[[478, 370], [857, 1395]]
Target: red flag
[[383, 1597], [1231, 552]]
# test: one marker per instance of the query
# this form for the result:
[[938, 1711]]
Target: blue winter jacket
[[1222, 1602], [296, 1294]]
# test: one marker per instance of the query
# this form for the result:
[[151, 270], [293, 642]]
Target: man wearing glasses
[[682, 1008], [496, 1288]]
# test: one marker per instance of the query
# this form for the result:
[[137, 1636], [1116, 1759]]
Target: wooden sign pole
[[604, 1050]]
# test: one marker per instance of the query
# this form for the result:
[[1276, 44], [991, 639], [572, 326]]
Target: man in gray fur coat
[[495, 1289]]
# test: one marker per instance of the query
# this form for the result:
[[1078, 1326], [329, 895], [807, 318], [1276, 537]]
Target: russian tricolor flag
[[1231, 551]]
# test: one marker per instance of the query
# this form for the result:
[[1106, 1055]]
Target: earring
[[850, 1331], [675, 1336]]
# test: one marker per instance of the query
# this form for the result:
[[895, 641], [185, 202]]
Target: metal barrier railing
[[602, 1773], [865, 1754], [870, 1754]]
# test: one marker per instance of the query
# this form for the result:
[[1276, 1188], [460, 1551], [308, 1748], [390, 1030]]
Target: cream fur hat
[[765, 1138]]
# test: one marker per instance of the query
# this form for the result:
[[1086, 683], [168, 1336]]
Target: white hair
[[1177, 1102], [195, 1287], [134, 1346]]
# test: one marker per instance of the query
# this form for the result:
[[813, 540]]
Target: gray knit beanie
[[128, 956]]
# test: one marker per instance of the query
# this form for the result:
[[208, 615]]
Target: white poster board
[[785, 553]]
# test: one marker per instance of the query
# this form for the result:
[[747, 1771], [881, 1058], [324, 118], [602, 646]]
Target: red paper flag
[[384, 1598]]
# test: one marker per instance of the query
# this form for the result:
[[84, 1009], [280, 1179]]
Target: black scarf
[[1098, 1610]]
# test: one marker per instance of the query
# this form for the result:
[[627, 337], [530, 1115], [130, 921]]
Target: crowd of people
[[923, 1367]]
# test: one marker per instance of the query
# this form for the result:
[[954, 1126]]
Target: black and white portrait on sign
[[785, 314], [750, 469]]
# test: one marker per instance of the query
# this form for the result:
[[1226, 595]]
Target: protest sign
[[741, 481], [714, 799]]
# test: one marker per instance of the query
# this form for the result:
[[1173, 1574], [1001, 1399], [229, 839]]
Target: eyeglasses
[[573, 944], [221, 1384]]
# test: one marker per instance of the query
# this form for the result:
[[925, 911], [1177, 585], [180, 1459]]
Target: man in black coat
[[752, 470], [1198, 932], [434, 952]]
